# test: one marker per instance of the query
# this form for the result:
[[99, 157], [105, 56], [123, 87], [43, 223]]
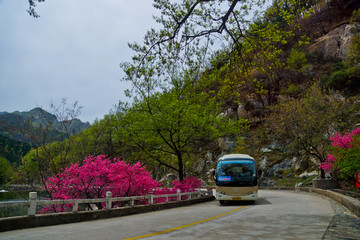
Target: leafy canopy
[[169, 126], [98, 174], [344, 154]]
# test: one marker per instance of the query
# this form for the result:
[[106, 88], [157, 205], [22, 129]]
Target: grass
[[291, 182]]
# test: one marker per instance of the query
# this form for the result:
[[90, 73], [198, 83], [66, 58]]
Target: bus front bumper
[[251, 196]]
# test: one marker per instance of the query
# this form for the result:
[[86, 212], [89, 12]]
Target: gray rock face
[[335, 44], [276, 171]]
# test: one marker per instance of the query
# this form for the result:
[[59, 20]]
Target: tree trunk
[[181, 167], [322, 172]]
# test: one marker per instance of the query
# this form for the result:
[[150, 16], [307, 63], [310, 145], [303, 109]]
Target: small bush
[[292, 90], [343, 78], [353, 57], [355, 17]]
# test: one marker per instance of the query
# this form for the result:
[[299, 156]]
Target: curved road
[[276, 215]]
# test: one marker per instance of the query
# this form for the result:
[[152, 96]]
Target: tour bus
[[236, 178]]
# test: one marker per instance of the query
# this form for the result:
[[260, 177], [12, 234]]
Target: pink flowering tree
[[344, 154], [190, 184], [98, 174]]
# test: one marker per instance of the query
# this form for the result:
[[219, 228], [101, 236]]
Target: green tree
[[102, 138], [169, 127], [13, 150], [303, 126], [344, 155], [6, 170], [50, 151], [256, 66], [181, 47], [188, 30], [349, 159]]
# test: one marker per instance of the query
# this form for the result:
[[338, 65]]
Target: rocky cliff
[[335, 44]]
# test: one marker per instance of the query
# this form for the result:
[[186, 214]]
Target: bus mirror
[[213, 174]]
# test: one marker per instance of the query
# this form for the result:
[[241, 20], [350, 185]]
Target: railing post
[[76, 206], [132, 202], [32, 203], [178, 195], [190, 195], [108, 199], [151, 198]]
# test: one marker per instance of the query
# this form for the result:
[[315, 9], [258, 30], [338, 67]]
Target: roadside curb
[[352, 204]]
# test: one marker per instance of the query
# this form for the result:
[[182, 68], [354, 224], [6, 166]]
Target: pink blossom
[[189, 184], [98, 174], [328, 164], [339, 141], [344, 141]]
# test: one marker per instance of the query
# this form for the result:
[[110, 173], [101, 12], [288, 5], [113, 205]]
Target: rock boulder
[[335, 44]]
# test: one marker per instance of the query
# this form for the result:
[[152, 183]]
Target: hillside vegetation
[[22, 131], [277, 90]]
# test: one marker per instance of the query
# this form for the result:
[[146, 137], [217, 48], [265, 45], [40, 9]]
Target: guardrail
[[33, 201], [350, 203]]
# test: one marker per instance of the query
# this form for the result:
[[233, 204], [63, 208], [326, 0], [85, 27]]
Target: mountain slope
[[22, 126]]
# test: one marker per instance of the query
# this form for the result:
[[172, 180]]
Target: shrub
[[343, 78], [353, 57], [344, 154], [355, 17], [98, 174]]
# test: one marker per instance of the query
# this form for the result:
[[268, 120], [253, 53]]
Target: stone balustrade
[[149, 204]]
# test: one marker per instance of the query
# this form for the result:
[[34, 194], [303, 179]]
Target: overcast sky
[[72, 51]]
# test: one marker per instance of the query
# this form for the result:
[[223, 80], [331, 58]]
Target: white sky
[[72, 51]]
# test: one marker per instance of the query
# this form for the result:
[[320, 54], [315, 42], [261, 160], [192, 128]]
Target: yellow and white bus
[[236, 178]]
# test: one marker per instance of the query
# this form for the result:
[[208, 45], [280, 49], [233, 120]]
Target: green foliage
[[292, 181], [178, 93], [297, 60], [49, 154], [353, 58], [355, 17], [165, 130], [13, 150], [36, 166], [170, 127], [302, 126], [256, 65], [102, 138], [343, 78], [348, 158], [292, 91], [6, 171], [38, 126]]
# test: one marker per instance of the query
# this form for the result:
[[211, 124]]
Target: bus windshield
[[236, 173]]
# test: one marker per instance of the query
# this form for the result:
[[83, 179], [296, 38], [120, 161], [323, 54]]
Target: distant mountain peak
[[15, 125]]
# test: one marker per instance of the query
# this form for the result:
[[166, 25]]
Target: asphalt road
[[276, 215]]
